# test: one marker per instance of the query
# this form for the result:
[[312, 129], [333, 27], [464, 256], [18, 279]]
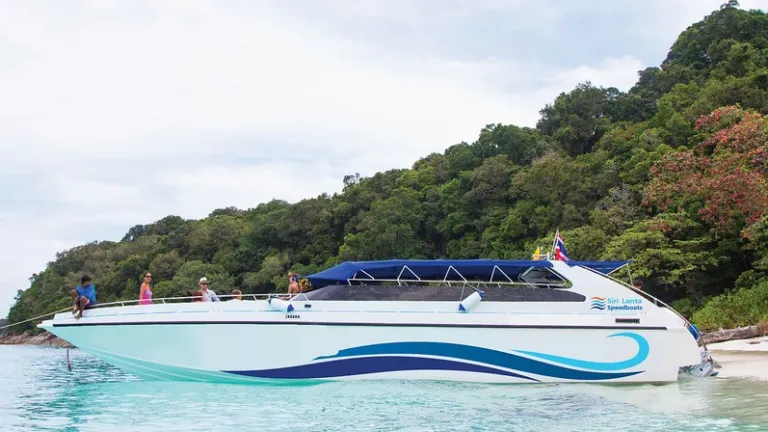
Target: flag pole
[[554, 242]]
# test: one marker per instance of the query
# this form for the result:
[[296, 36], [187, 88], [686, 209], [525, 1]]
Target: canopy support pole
[[354, 276], [501, 271], [401, 274], [618, 268], [447, 272]]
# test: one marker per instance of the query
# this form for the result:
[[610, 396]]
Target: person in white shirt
[[208, 294]]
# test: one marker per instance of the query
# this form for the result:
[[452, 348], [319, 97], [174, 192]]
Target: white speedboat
[[458, 320]]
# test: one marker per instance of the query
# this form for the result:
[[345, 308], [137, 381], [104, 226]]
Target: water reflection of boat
[[459, 320]]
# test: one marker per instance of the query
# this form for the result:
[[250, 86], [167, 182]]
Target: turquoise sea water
[[38, 393]]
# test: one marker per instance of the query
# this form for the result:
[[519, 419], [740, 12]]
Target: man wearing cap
[[208, 294]]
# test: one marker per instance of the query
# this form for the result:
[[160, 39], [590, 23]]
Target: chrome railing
[[641, 293], [474, 284], [164, 300]]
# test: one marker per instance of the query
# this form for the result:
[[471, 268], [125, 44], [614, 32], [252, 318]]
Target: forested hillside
[[672, 174]]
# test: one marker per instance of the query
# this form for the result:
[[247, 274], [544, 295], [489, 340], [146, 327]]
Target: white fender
[[280, 305], [470, 302]]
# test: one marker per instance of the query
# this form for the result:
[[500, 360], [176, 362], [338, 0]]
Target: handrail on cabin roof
[[286, 296], [162, 300]]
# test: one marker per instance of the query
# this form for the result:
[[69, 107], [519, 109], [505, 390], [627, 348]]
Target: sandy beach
[[745, 358]]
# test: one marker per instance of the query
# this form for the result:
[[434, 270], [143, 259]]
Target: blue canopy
[[489, 270]]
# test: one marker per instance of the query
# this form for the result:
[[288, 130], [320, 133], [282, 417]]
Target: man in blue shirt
[[84, 296]]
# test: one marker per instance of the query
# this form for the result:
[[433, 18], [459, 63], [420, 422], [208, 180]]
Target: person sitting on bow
[[83, 296]]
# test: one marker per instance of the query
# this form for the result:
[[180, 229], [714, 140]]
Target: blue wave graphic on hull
[[643, 348], [368, 365], [403, 356]]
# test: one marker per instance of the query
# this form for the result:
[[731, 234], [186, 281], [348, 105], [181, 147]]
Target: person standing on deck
[[145, 290], [208, 294], [293, 283]]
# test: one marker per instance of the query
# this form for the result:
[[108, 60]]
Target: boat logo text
[[616, 303]]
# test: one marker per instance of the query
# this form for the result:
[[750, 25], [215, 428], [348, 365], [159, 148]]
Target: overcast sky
[[115, 113]]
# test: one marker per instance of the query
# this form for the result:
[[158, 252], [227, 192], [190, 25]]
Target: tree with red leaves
[[723, 180]]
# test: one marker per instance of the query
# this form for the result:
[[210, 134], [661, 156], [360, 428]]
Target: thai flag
[[560, 252]]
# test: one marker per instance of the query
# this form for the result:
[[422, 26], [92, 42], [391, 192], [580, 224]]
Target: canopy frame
[[448, 271]]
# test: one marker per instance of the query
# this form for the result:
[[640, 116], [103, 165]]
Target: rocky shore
[[41, 339]]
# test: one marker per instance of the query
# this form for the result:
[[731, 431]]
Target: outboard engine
[[704, 369]]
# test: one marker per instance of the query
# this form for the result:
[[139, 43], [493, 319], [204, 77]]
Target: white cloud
[[617, 72], [118, 113]]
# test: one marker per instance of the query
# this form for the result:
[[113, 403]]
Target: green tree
[[578, 119], [185, 281]]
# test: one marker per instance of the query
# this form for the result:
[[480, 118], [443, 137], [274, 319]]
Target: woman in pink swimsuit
[[145, 291]]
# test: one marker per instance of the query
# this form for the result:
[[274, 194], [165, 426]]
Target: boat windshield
[[543, 276]]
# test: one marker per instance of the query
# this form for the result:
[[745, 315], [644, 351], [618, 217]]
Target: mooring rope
[[35, 318]]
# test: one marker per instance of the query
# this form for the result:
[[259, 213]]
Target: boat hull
[[291, 353]]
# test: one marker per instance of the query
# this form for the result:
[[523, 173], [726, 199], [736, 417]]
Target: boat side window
[[544, 277]]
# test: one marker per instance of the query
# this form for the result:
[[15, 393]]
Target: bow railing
[[187, 299]]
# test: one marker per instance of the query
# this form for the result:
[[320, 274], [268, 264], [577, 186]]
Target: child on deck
[[84, 296]]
